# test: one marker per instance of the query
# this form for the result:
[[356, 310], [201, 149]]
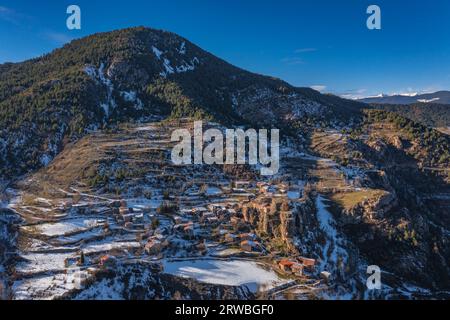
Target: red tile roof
[[286, 263]]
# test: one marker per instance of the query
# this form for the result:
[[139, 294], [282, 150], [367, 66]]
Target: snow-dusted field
[[65, 227], [42, 262], [213, 191], [141, 203], [232, 273], [46, 287], [105, 247]]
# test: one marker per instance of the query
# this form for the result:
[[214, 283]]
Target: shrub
[[155, 223], [167, 208]]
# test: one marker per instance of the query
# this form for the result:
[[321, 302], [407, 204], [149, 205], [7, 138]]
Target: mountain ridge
[[438, 97]]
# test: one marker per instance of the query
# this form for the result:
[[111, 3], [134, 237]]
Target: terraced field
[[71, 219]]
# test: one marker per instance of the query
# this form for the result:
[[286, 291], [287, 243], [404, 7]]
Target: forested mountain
[[430, 114], [132, 74]]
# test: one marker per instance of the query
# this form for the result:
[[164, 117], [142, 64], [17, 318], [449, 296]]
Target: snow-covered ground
[[293, 195], [142, 203], [212, 191], [42, 262], [46, 287], [62, 228], [103, 290], [106, 247], [333, 248], [232, 272]]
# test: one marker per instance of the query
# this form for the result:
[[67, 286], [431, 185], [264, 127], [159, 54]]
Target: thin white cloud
[[4, 10], [303, 50], [319, 88], [292, 61], [353, 94], [57, 37], [9, 15], [295, 59], [405, 93]]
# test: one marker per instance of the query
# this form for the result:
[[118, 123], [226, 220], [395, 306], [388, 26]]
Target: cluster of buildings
[[127, 216], [216, 219], [247, 242], [296, 266], [291, 191]]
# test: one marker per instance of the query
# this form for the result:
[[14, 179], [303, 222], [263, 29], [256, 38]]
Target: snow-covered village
[[187, 221], [266, 236], [137, 163]]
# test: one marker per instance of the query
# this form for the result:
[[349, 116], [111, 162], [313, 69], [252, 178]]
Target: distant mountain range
[[440, 97], [431, 109]]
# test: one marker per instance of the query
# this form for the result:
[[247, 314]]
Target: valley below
[[112, 218]]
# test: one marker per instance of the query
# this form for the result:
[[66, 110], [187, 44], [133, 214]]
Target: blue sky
[[320, 43]]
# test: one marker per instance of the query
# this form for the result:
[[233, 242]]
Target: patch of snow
[[234, 101], [293, 195], [187, 66], [352, 173], [46, 287], [143, 203], [332, 249], [62, 228], [91, 72], [100, 77], [303, 107], [42, 262], [157, 52], [182, 49], [53, 146], [105, 108], [131, 96], [230, 272], [103, 290], [45, 160], [167, 67], [428, 100], [105, 247], [213, 191]]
